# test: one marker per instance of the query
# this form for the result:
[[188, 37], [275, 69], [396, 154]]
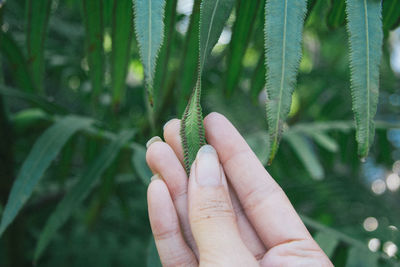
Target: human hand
[[230, 212]]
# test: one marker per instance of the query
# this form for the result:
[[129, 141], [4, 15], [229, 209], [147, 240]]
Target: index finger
[[265, 203]]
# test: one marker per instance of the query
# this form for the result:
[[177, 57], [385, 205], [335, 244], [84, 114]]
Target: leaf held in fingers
[[149, 28], [43, 152], [284, 21], [80, 190], [364, 27], [37, 22]]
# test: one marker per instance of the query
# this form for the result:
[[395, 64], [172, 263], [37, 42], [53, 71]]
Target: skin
[[230, 212]]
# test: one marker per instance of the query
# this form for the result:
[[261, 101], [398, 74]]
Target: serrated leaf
[[284, 21], [37, 22], [365, 36], [149, 28], [43, 152], [306, 155], [337, 14], [17, 62], [80, 190], [122, 27], [213, 15], [390, 14], [93, 18], [327, 242], [246, 13]]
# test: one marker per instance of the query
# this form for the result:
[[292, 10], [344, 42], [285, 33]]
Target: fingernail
[[207, 167], [165, 125], [155, 177], [153, 140]]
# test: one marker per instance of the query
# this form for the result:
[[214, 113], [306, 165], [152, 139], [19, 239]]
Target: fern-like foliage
[[364, 26], [284, 21], [213, 15], [149, 28]]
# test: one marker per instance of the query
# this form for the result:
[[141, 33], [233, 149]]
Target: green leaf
[[80, 190], [43, 152], [122, 27], [390, 14], [17, 62], [327, 242], [93, 18], [246, 13], [140, 165], [358, 258], [337, 14], [306, 155], [258, 79], [365, 36], [324, 141], [153, 260], [284, 21], [37, 22], [149, 28], [213, 15]]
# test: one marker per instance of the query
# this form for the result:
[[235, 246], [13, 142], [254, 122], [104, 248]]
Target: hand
[[230, 212]]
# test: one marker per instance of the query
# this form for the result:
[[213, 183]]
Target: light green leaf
[[149, 28], [80, 190], [122, 27], [327, 242], [153, 260], [93, 18], [43, 152], [246, 13], [37, 22], [17, 61], [365, 35], [306, 155], [213, 15], [284, 21]]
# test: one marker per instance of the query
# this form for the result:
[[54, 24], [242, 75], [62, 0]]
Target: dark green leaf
[[140, 165], [358, 258], [258, 79], [283, 34], [122, 28], [327, 242], [80, 190], [37, 21], [391, 14], [337, 14], [43, 152], [365, 36]]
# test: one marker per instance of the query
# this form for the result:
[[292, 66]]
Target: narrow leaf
[[324, 141], [327, 242], [122, 27], [358, 258], [283, 34], [365, 35], [306, 155], [17, 62], [258, 79], [337, 14], [37, 22], [149, 28], [43, 152], [80, 190], [391, 14], [246, 13], [140, 165], [213, 15], [93, 18]]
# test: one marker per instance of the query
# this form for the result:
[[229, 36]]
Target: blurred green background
[[352, 204]]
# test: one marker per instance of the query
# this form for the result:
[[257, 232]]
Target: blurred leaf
[[122, 28], [325, 141], [258, 79], [17, 62], [246, 13], [80, 190], [153, 260], [327, 242], [365, 36], [358, 258], [37, 22], [306, 155], [149, 28], [390, 14], [43, 152], [337, 14], [213, 15], [93, 18], [140, 165], [283, 34], [259, 143]]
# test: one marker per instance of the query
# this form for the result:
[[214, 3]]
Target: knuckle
[[166, 234], [258, 196], [213, 209]]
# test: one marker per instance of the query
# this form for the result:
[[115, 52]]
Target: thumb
[[211, 215]]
